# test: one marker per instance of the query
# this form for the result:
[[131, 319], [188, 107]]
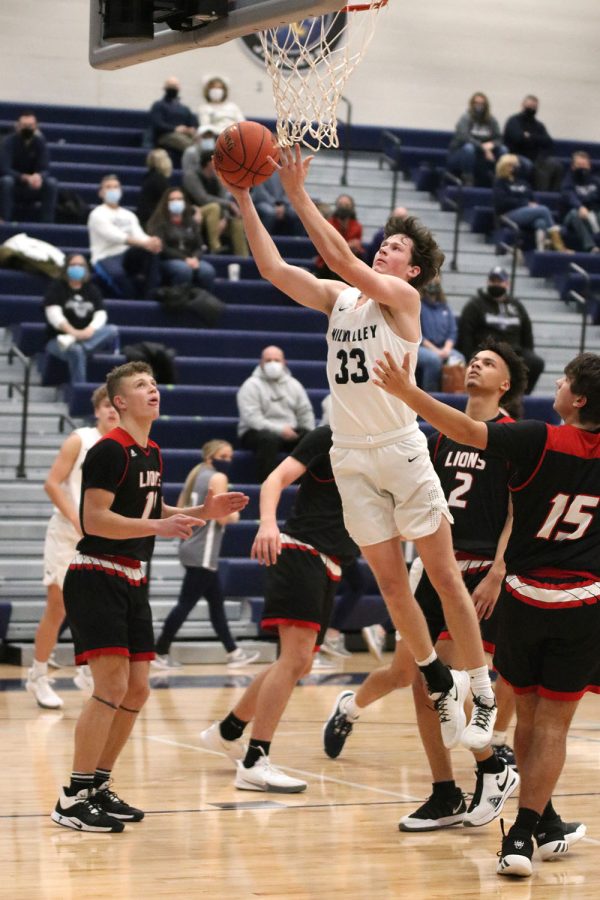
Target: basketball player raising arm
[[379, 456]]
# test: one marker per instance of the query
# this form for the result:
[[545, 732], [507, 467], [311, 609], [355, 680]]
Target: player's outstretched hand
[[179, 526], [216, 506], [292, 168], [267, 545], [389, 376]]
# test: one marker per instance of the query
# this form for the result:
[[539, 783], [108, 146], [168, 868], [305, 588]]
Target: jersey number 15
[[568, 510]]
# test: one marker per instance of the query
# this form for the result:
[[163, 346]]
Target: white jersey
[[355, 339], [72, 483]]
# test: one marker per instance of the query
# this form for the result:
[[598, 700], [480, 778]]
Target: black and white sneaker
[[436, 813], [555, 838], [492, 790], [82, 814], [450, 708], [337, 728], [515, 855], [478, 733], [109, 802]]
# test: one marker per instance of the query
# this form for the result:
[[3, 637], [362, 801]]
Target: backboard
[[243, 17]]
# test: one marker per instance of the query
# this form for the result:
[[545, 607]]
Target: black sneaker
[[81, 813], [555, 837], [436, 812], [337, 728], [503, 751], [110, 803], [515, 855]]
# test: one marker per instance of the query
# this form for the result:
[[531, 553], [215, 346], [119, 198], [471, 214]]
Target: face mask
[[76, 272], [496, 290], [222, 465], [176, 207], [580, 174], [216, 94], [171, 93], [273, 369], [530, 113], [27, 133], [343, 212], [113, 195], [479, 109]]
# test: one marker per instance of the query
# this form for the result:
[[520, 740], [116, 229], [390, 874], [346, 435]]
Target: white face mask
[[273, 369], [216, 94], [112, 195]]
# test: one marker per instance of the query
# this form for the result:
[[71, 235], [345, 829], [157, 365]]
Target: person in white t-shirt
[[217, 112], [63, 486], [123, 255], [382, 468]]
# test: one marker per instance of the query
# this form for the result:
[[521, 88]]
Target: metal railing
[[457, 206], [514, 248], [397, 143], [581, 301], [22, 389], [346, 142]]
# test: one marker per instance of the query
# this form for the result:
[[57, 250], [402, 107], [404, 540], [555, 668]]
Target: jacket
[[438, 324], [166, 115], [527, 137], [510, 194], [470, 131], [273, 403], [484, 316]]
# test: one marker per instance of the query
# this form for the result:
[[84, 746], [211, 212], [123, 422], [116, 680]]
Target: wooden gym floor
[[202, 838]]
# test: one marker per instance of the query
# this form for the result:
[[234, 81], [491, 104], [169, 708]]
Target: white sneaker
[[211, 739], [374, 636], [335, 646], [491, 793], [53, 662], [450, 708], [265, 777], [165, 662], [83, 679], [240, 657], [478, 733], [321, 663], [40, 688]]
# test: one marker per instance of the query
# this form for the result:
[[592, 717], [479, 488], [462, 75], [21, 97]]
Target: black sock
[[445, 790], [101, 776], [491, 766], [231, 727], [80, 781], [549, 813], [437, 676], [526, 821], [256, 749]]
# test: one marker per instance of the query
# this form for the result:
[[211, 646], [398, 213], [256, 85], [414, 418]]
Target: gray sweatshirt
[[272, 404]]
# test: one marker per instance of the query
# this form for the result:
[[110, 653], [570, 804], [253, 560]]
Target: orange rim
[[364, 7]]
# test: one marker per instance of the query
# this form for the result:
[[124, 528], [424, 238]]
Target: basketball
[[241, 154]]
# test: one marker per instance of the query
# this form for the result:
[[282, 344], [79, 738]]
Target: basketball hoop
[[309, 63]]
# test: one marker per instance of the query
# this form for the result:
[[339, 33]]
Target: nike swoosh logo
[[412, 458], [501, 787], [343, 308]]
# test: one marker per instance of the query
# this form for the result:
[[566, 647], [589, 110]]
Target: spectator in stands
[[513, 198], [527, 137], [580, 196], [178, 226], [272, 204], [173, 124], [494, 313], [77, 321], [24, 171], [123, 255], [274, 409], [477, 143], [439, 331], [217, 112], [154, 183], [199, 555], [202, 187], [399, 212], [343, 220]]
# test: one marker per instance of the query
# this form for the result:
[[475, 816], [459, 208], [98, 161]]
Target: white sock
[[426, 662], [39, 668], [481, 686], [498, 738], [349, 707]]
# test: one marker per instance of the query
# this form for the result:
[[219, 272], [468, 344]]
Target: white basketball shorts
[[59, 550]]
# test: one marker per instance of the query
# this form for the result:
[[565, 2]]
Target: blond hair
[[115, 376], [99, 396], [209, 449], [506, 165]]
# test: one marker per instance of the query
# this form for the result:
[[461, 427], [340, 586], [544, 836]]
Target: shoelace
[[482, 714], [441, 707], [342, 725]]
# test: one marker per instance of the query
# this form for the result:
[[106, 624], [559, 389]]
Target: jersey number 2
[[360, 375], [456, 495], [569, 510]]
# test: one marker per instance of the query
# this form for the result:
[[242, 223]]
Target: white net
[[309, 63]]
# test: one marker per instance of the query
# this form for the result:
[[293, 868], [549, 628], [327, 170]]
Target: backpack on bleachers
[[160, 358], [201, 302]]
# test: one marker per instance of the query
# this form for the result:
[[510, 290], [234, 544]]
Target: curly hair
[[425, 254], [583, 373], [512, 400]]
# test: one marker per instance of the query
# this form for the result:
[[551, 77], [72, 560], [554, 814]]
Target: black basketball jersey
[[475, 484], [555, 488], [317, 517], [134, 475]]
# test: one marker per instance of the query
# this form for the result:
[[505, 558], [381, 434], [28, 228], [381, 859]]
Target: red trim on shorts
[[88, 567], [274, 624], [550, 604], [465, 554], [487, 646], [549, 572], [303, 547], [121, 560], [568, 696], [82, 658], [141, 657]]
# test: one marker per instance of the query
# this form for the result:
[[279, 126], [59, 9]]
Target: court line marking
[[354, 784]]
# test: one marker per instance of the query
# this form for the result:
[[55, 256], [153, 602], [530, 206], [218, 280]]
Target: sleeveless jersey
[[202, 549], [475, 484], [355, 339], [134, 475], [72, 483]]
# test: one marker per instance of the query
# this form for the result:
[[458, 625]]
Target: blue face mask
[[222, 465], [113, 195], [76, 272], [176, 207]]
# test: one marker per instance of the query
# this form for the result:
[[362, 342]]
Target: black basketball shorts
[[106, 601]]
